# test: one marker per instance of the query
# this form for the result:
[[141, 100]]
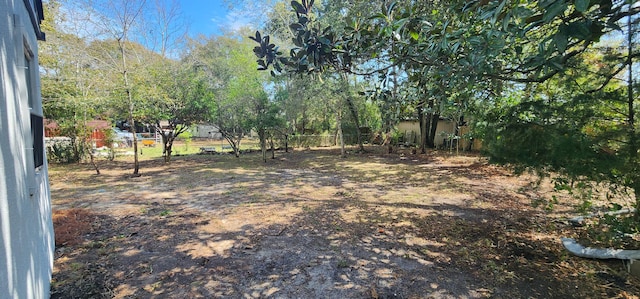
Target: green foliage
[[228, 68], [305, 105], [620, 225], [613, 230], [178, 99], [575, 126], [63, 153], [315, 49], [532, 135], [186, 136], [397, 137], [546, 89]]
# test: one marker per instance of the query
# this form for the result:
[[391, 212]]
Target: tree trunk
[[168, 146], [136, 162], [235, 144], [423, 127], [428, 121], [339, 128], [273, 150], [93, 161], [286, 143], [633, 139], [263, 144], [354, 113], [132, 124], [428, 125], [304, 121], [433, 127], [170, 149], [88, 145]]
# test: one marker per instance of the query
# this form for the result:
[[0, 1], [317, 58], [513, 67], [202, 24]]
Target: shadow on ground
[[312, 225]]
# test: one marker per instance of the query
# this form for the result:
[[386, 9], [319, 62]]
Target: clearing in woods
[[310, 224]]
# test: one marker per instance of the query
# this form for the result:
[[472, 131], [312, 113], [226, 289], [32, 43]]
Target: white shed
[[206, 131], [27, 246]]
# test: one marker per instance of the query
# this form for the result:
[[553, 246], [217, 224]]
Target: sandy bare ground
[[310, 224]]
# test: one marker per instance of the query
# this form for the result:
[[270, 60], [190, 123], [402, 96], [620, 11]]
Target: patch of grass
[[182, 148], [498, 271], [95, 244], [342, 264], [104, 251], [547, 204], [76, 266]]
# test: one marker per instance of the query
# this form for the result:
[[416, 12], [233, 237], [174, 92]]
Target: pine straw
[[70, 225]]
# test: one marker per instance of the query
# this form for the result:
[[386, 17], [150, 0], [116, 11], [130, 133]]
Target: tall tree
[[68, 85], [316, 50], [230, 68], [118, 20], [467, 52], [178, 99], [267, 123], [168, 32], [575, 109]]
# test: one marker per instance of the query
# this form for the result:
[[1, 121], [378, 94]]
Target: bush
[[397, 137], [63, 150]]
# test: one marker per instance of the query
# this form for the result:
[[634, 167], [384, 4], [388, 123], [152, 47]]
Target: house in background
[[99, 133], [27, 245], [97, 127], [206, 131], [51, 128], [411, 131]]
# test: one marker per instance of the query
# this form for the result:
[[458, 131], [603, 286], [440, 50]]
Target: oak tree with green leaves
[[228, 66], [547, 91], [178, 98]]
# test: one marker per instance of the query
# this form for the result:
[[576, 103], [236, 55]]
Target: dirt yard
[[310, 224]]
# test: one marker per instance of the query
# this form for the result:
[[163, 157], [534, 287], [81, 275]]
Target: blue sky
[[211, 16]]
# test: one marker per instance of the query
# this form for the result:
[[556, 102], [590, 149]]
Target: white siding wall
[[409, 127], [26, 230], [206, 131]]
